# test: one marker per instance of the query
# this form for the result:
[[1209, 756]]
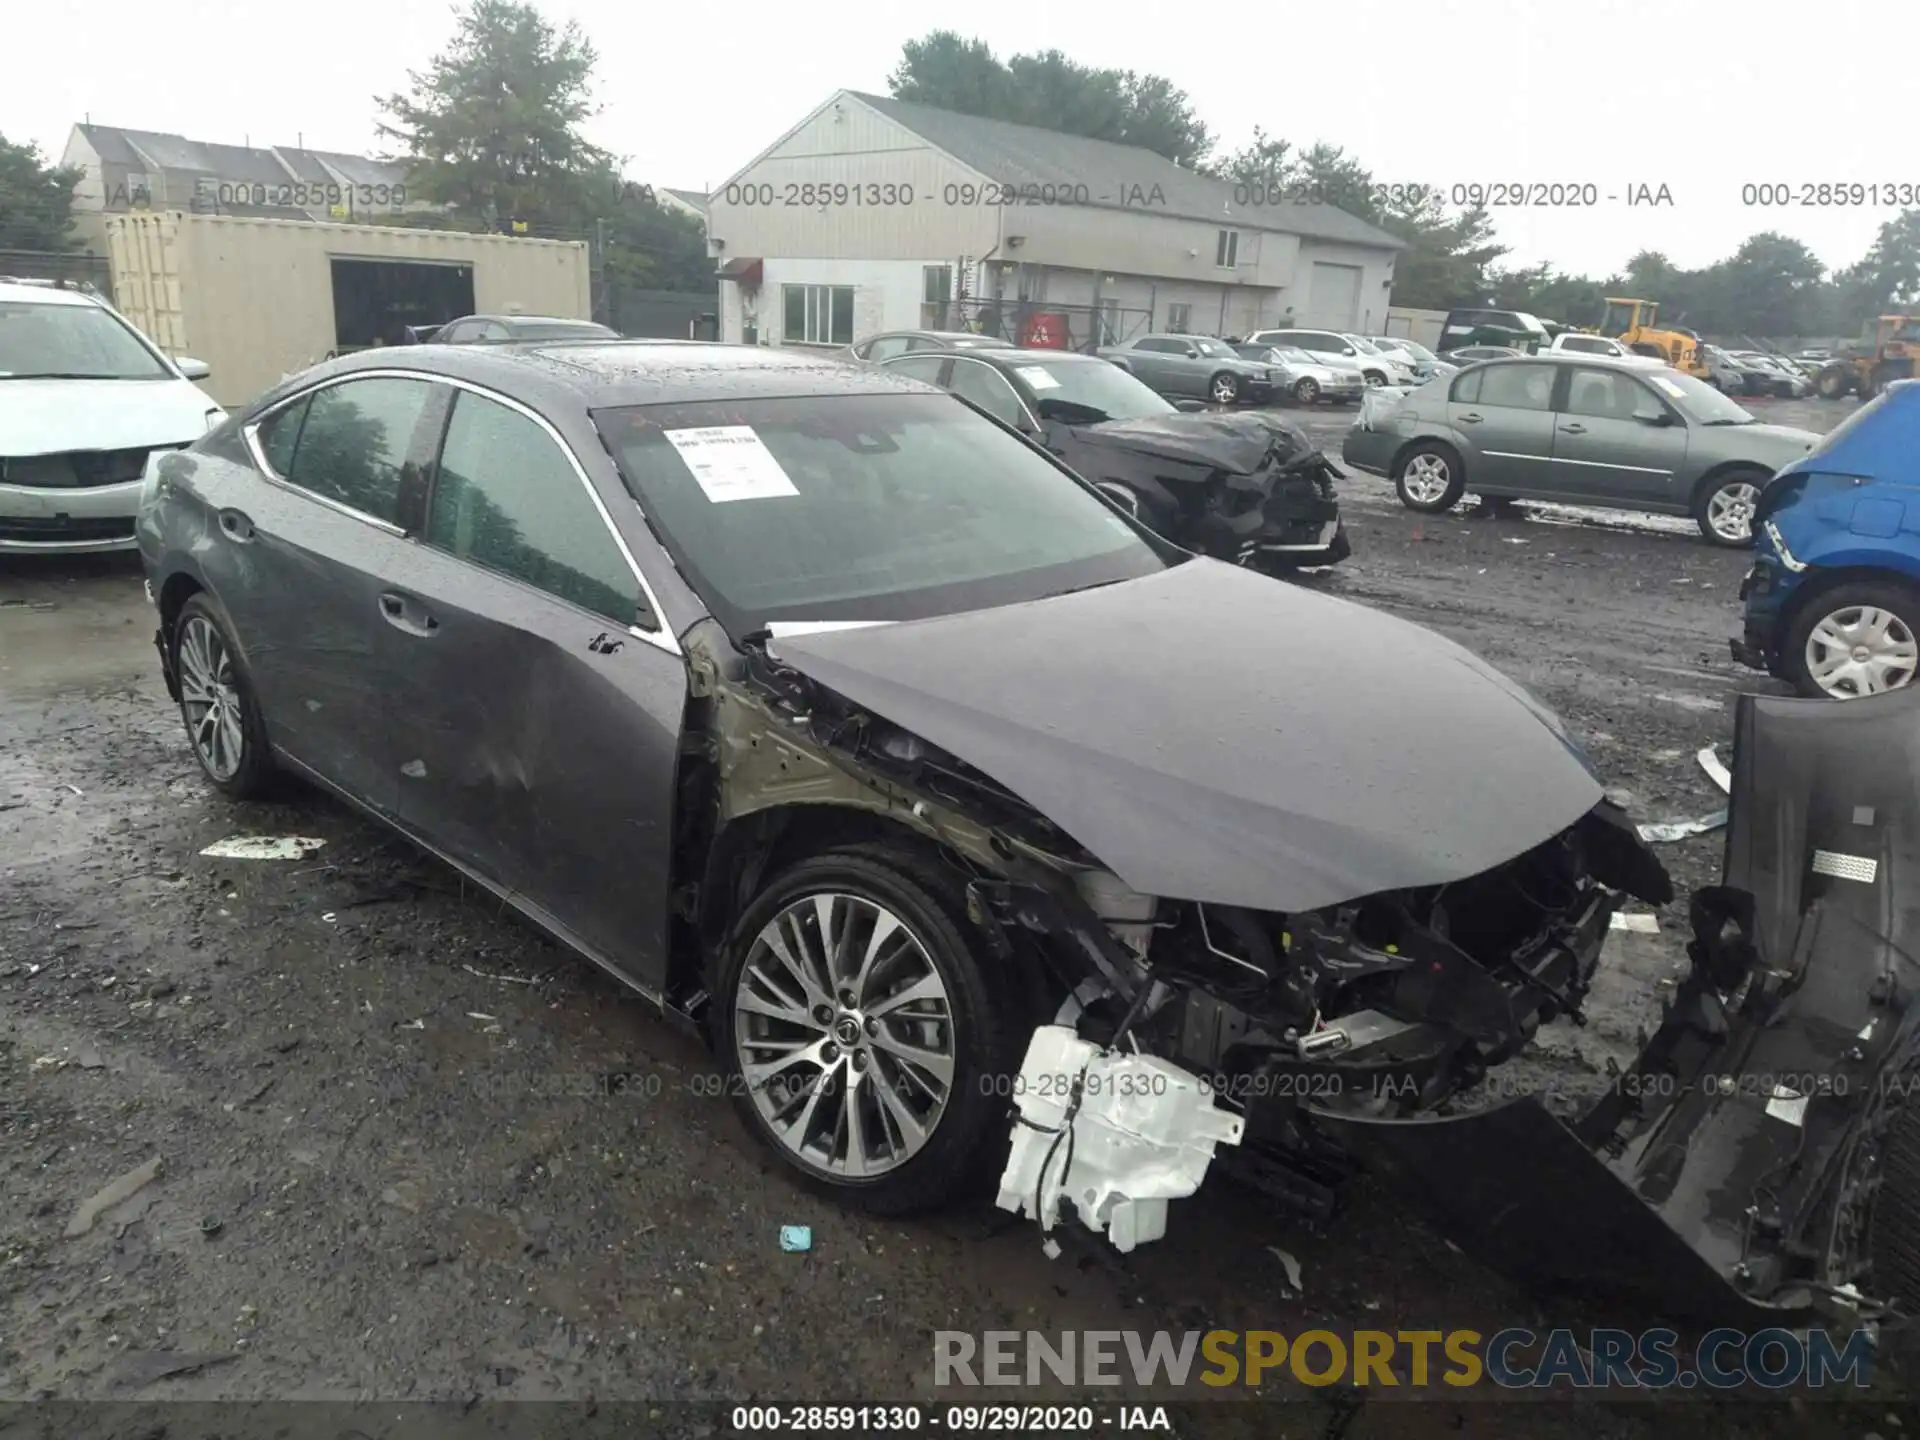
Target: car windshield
[[71, 342], [1089, 385], [1294, 355], [1418, 352], [862, 507], [1362, 344], [1703, 404], [1214, 347]]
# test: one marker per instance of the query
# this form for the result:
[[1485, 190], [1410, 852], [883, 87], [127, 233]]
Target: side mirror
[[1653, 417], [1348, 350], [1190, 407], [191, 368]]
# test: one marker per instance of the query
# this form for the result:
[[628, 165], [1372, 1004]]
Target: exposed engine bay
[[1243, 1020]]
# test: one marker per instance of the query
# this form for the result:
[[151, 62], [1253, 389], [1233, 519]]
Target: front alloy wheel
[[843, 1031], [1306, 390], [860, 1029], [1225, 389]]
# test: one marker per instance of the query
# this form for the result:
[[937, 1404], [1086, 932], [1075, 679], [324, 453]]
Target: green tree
[[1887, 278], [36, 200], [1267, 165], [945, 70], [647, 245], [492, 126], [1449, 256]]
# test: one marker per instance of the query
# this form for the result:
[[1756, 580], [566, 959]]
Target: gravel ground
[[386, 1167]]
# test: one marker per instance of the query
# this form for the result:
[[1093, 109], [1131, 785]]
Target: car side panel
[[301, 583]]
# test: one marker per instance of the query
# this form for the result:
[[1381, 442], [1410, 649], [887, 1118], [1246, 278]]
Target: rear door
[[538, 722], [1608, 445], [302, 559], [1504, 411]]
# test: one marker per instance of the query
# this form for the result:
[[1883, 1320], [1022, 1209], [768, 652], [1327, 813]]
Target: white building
[[872, 214]]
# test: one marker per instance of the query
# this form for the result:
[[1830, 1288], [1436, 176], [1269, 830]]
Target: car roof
[[603, 373], [1879, 446], [529, 320], [46, 293], [969, 336], [1014, 356]]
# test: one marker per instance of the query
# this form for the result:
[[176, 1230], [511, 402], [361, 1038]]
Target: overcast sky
[[1700, 97]]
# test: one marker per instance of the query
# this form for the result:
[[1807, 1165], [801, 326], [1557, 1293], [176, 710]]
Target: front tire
[[1375, 377], [1724, 511], [860, 1030], [1224, 389], [1306, 390], [1429, 478], [1857, 639], [218, 704]]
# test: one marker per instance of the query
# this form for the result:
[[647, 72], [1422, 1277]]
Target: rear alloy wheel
[[857, 1027], [217, 704], [1306, 390], [1855, 640], [1429, 479], [1725, 510], [1224, 388]]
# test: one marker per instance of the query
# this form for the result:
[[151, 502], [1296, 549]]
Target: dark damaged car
[[1242, 486], [837, 719]]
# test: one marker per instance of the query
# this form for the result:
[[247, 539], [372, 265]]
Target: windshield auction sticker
[[1037, 377], [731, 462]]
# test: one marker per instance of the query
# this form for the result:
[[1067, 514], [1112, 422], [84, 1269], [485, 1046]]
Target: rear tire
[[1724, 509], [1882, 617], [218, 705], [968, 1024], [1429, 478]]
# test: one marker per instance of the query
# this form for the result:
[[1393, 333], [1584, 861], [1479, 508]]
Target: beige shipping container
[[258, 299]]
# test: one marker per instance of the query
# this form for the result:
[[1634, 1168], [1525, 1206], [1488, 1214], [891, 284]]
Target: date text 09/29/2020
[[851, 194]]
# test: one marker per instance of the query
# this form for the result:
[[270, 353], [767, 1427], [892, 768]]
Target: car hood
[[1239, 442], [1782, 444], [46, 417], [1211, 734]]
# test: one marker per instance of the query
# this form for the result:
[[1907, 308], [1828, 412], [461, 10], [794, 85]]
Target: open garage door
[[1333, 302]]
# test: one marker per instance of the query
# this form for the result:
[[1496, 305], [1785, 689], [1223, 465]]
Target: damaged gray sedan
[[856, 729]]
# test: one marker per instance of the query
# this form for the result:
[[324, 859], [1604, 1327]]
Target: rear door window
[[507, 497], [919, 367], [1517, 387], [354, 442]]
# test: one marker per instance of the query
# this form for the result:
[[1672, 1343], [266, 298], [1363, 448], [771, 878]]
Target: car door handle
[[235, 525], [403, 612], [1573, 429], [1470, 419]]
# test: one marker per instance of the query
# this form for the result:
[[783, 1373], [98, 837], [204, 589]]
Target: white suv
[[1576, 342], [1379, 367], [84, 399]]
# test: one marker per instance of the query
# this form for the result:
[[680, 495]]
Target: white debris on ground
[[263, 847], [1128, 1134]]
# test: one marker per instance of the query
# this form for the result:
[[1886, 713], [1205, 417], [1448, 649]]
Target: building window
[[1179, 318], [936, 294], [818, 314], [1226, 249]]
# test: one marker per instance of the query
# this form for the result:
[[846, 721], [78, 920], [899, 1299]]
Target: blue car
[[1833, 598]]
